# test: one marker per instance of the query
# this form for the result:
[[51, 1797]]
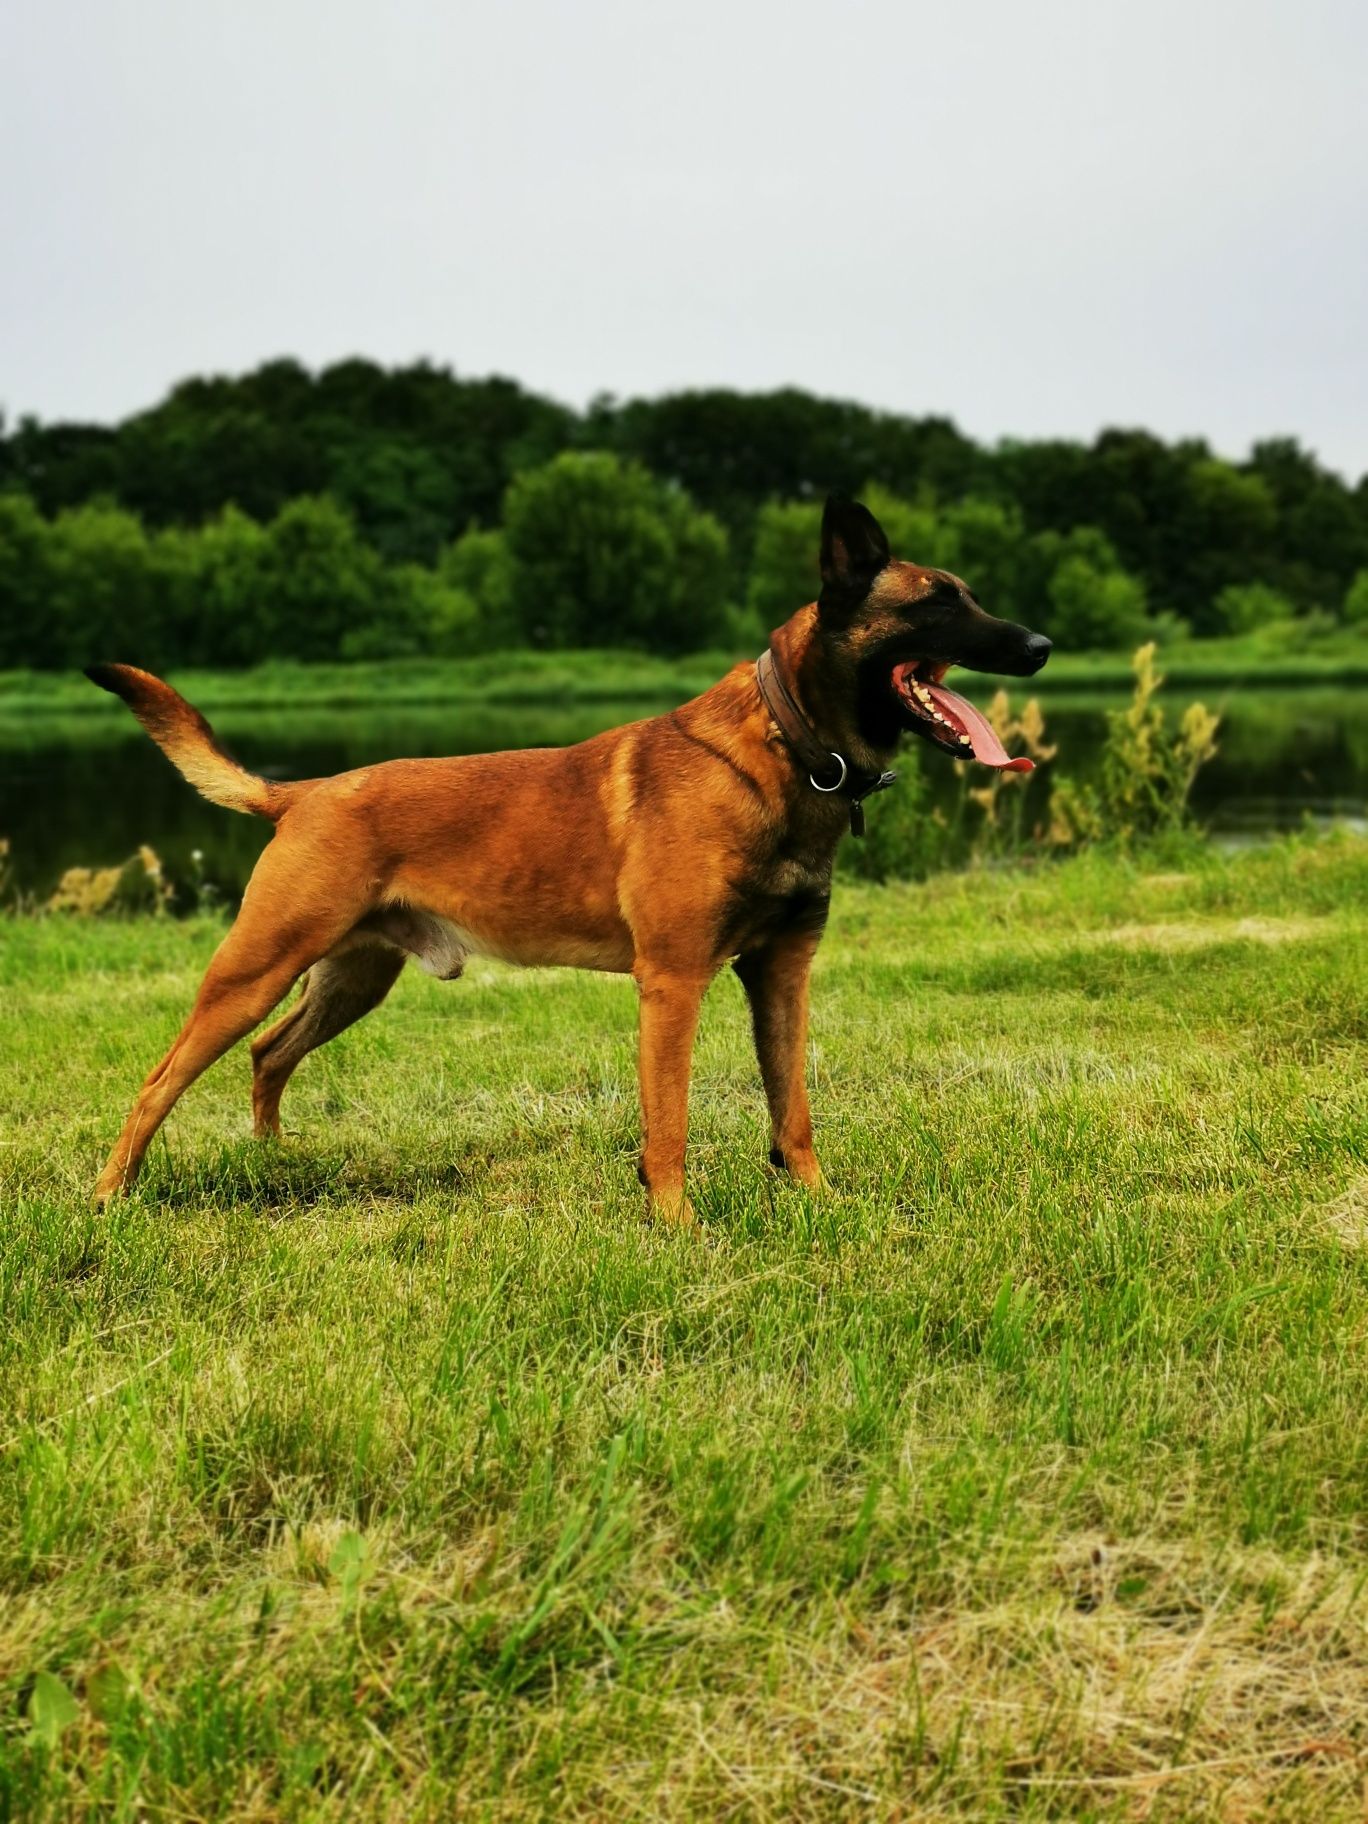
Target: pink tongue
[[980, 731]]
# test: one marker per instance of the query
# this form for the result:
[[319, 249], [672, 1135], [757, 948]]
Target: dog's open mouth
[[951, 722]]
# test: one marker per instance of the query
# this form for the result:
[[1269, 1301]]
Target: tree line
[[365, 512]]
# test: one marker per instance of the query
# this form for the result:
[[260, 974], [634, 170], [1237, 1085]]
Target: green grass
[[402, 1471], [525, 678]]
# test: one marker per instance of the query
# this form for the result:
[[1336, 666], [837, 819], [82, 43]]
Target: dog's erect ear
[[854, 550]]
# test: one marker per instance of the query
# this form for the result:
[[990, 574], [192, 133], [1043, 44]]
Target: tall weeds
[[1142, 791], [1144, 786]]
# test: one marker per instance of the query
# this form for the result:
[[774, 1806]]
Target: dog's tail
[[187, 740]]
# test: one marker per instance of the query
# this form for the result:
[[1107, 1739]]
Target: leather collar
[[828, 772]]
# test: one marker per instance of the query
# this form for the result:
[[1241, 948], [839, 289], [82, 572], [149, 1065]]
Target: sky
[[1038, 217]]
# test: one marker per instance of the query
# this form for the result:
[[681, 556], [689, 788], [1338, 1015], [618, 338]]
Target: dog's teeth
[[966, 741]]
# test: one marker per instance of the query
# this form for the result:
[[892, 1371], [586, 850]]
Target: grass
[[1337, 656], [401, 1471]]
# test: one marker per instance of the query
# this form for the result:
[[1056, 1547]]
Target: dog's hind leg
[[776, 984], [339, 989], [289, 918]]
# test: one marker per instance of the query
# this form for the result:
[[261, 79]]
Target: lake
[[87, 789]]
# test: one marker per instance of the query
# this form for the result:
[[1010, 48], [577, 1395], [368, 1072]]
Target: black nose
[[1038, 649]]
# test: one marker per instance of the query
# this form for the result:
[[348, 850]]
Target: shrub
[[906, 838], [1095, 605], [1356, 601], [478, 566], [418, 615], [1241, 607]]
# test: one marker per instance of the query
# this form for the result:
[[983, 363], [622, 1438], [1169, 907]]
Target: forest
[[364, 512]]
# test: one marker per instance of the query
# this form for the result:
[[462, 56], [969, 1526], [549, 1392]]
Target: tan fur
[[187, 740], [642, 851]]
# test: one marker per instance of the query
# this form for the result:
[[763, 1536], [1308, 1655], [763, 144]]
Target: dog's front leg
[[776, 984], [670, 1002]]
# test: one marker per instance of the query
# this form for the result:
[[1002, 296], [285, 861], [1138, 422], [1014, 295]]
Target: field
[[402, 1471]]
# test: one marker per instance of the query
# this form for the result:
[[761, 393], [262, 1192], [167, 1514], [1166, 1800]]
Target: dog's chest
[[788, 895]]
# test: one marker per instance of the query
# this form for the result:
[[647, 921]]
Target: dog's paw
[[672, 1207], [802, 1167]]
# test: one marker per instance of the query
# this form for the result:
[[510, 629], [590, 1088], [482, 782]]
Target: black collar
[[852, 782]]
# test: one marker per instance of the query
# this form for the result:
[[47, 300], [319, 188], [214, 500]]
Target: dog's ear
[[854, 550]]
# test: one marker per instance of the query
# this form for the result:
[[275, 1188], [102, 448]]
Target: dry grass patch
[[1193, 934], [1347, 1217]]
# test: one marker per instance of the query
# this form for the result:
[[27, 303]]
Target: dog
[[664, 849]]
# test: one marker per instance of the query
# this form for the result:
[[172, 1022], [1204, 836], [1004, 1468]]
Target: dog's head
[[892, 630]]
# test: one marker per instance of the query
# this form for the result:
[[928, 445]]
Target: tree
[[400, 494], [1227, 527], [222, 612], [982, 541], [784, 571], [319, 581], [1356, 602], [916, 532], [108, 595], [603, 554], [29, 635]]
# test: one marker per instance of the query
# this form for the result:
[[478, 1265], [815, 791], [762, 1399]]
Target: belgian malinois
[[664, 850]]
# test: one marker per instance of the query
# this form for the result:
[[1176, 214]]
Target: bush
[[478, 566], [1094, 605], [1241, 607], [418, 615], [1356, 601], [909, 838], [905, 838], [603, 554]]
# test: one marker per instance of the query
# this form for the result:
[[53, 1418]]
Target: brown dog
[[663, 849]]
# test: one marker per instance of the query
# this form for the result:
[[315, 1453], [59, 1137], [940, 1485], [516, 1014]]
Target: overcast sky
[[1037, 216]]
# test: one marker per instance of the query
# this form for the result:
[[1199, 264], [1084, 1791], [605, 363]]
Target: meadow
[[402, 1471]]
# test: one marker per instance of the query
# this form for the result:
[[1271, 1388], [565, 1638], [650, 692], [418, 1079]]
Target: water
[[87, 789]]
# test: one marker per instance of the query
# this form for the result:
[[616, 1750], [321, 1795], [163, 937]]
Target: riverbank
[[558, 678]]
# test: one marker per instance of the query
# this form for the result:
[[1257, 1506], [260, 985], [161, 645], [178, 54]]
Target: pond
[[87, 789]]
